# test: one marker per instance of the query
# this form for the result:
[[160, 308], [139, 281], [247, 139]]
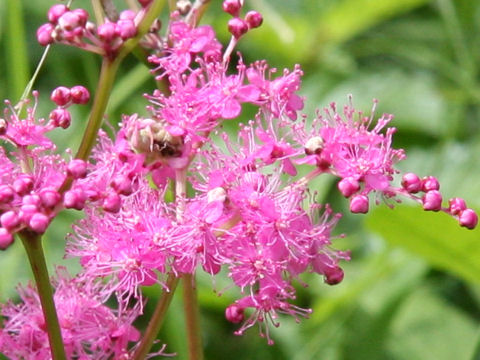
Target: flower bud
[[55, 12], [61, 118], [50, 198], [80, 95], [6, 194], [254, 19], [127, 15], [432, 201], [3, 126], [44, 34], [82, 15], [61, 95], [39, 222], [74, 199], [23, 184], [32, 199], [77, 168], [234, 313], [232, 7], [430, 183], [9, 220], [122, 185], [69, 21], [6, 239], [126, 29], [348, 186], [334, 276], [359, 204], [106, 31], [184, 6], [412, 183], [26, 212], [237, 27], [112, 203], [314, 145], [468, 218], [456, 205]]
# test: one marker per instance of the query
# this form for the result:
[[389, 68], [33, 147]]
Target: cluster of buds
[[432, 199], [238, 26], [72, 27], [32, 175], [64, 97]]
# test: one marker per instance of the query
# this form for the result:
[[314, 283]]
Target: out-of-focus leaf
[[427, 328], [16, 50], [350, 17], [434, 237]]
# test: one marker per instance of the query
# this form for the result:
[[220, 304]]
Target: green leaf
[[427, 328], [435, 237]]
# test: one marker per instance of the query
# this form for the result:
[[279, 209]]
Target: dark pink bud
[[432, 200], [44, 34], [6, 239], [122, 185], [82, 16], [39, 222], [144, 3], [69, 21], [61, 95], [26, 212], [127, 15], [334, 276], [74, 199], [232, 7], [412, 183], [237, 27], [468, 218], [55, 12], [33, 199], [61, 118], [112, 203], [430, 183], [359, 204], [3, 126], [126, 29], [80, 95], [234, 313], [77, 168], [9, 220], [6, 194], [456, 205], [348, 186], [254, 19], [50, 198], [107, 31], [23, 185]]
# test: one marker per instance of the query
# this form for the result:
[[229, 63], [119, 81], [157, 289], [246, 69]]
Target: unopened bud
[[334, 276], [468, 218], [39, 222], [55, 12], [80, 95], [61, 96], [430, 183], [456, 205], [61, 117], [44, 34], [359, 204], [126, 29], [6, 238], [254, 19], [237, 27], [184, 6], [412, 183], [112, 203], [232, 7], [234, 313], [348, 186], [77, 168], [9, 220], [432, 200]]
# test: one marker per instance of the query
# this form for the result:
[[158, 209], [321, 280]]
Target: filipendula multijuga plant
[[249, 213]]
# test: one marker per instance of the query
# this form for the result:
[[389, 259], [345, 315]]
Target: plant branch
[[33, 246]]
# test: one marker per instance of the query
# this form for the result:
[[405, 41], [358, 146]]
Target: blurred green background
[[412, 288]]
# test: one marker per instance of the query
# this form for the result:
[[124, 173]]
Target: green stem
[[192, 317], [156, 321], [33, 246]]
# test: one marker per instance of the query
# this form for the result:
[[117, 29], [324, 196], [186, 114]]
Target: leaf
[[429, 329], [436, 238]]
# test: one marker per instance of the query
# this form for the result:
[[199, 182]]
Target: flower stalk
[[33, 246]]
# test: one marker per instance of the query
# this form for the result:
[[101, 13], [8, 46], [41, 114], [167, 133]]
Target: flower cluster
[[247, 211]]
